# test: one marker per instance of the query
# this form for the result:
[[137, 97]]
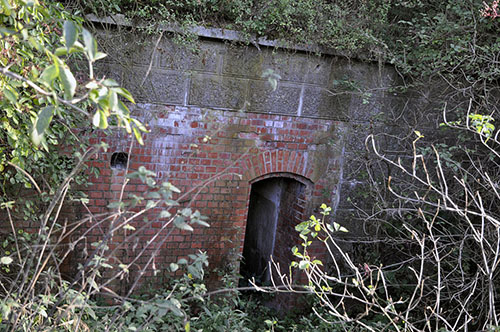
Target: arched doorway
[[276, 205]]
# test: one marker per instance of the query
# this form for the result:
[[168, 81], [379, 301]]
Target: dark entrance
[[276, 206]]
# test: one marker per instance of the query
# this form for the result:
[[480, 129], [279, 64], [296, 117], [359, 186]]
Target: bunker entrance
[[276, 206]]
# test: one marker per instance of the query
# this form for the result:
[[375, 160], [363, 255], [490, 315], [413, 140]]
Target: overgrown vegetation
[[437, 212], [48, 94], [418, 36], [429, 258]]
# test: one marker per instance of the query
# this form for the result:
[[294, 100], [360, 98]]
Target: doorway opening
[[276, 206]]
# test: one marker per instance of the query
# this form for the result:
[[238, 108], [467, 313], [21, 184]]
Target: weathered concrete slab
[[175, 57], [319, 102], [161, 86], [284, 100], [244, 61], [364, 76], [217, 91], [292, 67]]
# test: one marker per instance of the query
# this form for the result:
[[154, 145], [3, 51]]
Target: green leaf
[[49, 74], [181, 224], [122, 112], [318, 262], [68, 81], [92, 85], [124, 93], [113, 100], [115, 205], [138, 136], [154, 195], [303, 265], [201, 222], [5, 31], [90, 45], [174, 305], [164, 214], [6, 260], [174, 267], [41, 124], [100, 120], [186, 212], [96, 119], [343, 229], [11, 94], [6, 7], [99, 56], [61, 51], [171, 187], [70, 34], [109, 82], [129, 227], [139, 125], [91, 312]]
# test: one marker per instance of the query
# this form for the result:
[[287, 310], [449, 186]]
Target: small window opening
[[119, 160]]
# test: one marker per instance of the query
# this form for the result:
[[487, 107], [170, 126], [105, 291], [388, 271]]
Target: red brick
[[225, 201]]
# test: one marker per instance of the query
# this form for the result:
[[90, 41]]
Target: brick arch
[[299, 178], [278, 162]]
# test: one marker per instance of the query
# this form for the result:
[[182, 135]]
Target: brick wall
[[217, 173]]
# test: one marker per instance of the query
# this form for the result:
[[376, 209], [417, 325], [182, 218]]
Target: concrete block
[[246, 62], [364, 76], [125, 47], [284, 100], [318, 102], [292, 67], [177, 57], [217, 91], [299, 67], [138, 51], [161, 86], [318, 70]]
